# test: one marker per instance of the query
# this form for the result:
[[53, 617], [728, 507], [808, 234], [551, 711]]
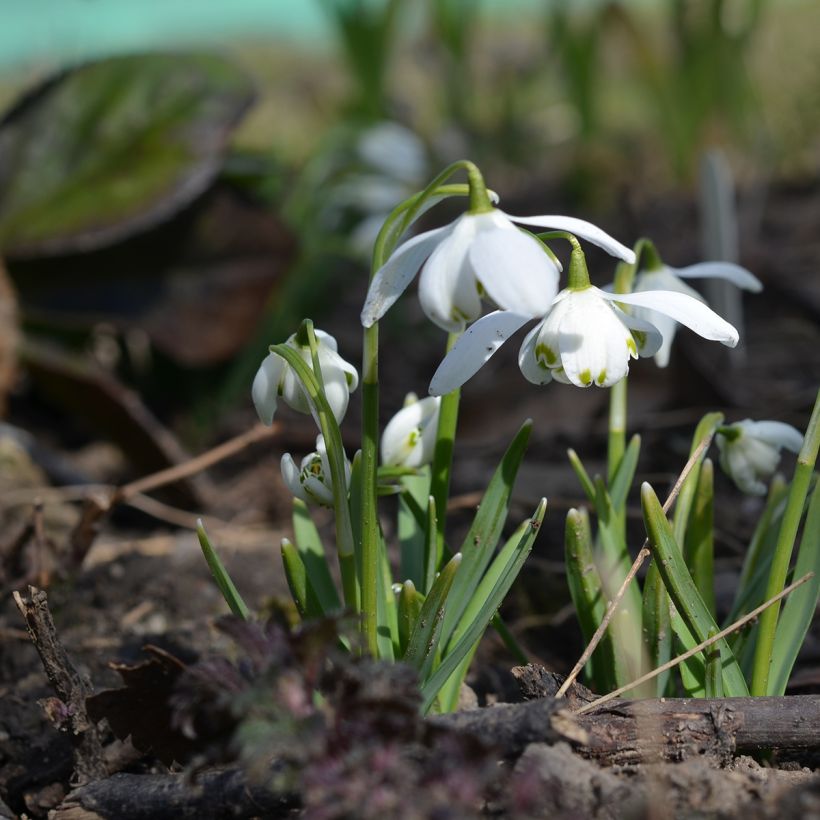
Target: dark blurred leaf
[[9, 333], [111, 148]]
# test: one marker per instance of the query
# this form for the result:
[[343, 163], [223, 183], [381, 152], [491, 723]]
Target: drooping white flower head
[[276, 378], [409, 438], [479, 254], [585, 339], [311, 481], [750, 451], [663, 277]]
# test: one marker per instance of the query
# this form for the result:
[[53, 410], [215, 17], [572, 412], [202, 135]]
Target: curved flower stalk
[[276, 378], [585, 338], [658, 276], [750, 451], [480, 253], [409, 438], [311, 481]]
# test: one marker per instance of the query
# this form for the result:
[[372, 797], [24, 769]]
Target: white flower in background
[[584, 339], [479, 254], [276, 378], [311, 480], [750, 451], [409, 438], [667, 278]]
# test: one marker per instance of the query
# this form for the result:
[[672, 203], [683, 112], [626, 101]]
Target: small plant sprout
[[654, 275], [431, 610], [275, 378], [409, 438], [750, 451]]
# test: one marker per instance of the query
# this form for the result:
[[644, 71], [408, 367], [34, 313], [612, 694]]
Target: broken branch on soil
[[643, 554], [738, 624], [68, 709]]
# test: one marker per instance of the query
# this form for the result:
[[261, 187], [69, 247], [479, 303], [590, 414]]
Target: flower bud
[[410, 436]]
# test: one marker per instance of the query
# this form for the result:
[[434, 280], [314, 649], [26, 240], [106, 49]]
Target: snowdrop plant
[[434, 614]]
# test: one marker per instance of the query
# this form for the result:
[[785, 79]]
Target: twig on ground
[[68, 709], [643, 554], [738, 624]]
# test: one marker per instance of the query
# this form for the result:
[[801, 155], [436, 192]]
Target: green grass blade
[[625, 474], [714, 678], [430, 546], [699, 546], [481, 540], [387, 619], [410, 533], [799, 610], [410, 603], [587, 484], [588, 597], [682, 589], [220, 574], [657, 626], [301, 590], [424, 639], [486, 605], [312, 553]]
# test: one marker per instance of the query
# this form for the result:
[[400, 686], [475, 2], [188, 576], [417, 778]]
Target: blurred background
[[180, 184]]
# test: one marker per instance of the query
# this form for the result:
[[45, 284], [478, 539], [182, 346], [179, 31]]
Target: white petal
[[474, 348], [776, 433], [735, 274], [593, 342], [409, 437], [290, 475], [337, 378], [531, 366], [734, 462], [649, 339], [684, 309], [580, 228], [515, 270], [448, 290], [266, 386], [663, 279], [395, 275]]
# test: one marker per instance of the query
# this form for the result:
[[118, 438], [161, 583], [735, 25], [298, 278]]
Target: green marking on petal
[[640, 337], [602, 376], [586, 377], [546, 353]]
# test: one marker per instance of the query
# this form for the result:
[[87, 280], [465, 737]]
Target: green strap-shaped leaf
[[682, 589], [486, 605], [387, 619], [410, 532], [588, 597], [699, 546], [312, 553], [657, 627], [485, 531], [410, 603], [223, 580], [587, 484], [622, 482], [424, 640], [430, 546], [301, 589], [802, 603]]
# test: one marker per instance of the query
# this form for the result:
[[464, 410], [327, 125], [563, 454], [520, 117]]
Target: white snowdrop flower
[[409, 438], [585, 339], [480, 253], [276, 378], [311, 480], [663, 277], [750, 451]]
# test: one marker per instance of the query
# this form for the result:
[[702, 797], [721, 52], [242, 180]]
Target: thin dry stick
[[695, 649], [642, 556], [195, 465]]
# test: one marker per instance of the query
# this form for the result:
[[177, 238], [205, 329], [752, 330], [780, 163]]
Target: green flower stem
[[336, 458], [783, 552], [443, 457], [616, 445], [394, 226]]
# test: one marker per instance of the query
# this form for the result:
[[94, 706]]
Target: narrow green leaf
[[588, 597], [410, 603], [624, 475], [312, 553], [424, 640], [485, 531], [304, 596], [714, 677], [430, 546], [682, 589], [657, 627], [587, 483], [410, 533], [220, 574], [802, 603], [699, 548], [387, 619], [487, 604]]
